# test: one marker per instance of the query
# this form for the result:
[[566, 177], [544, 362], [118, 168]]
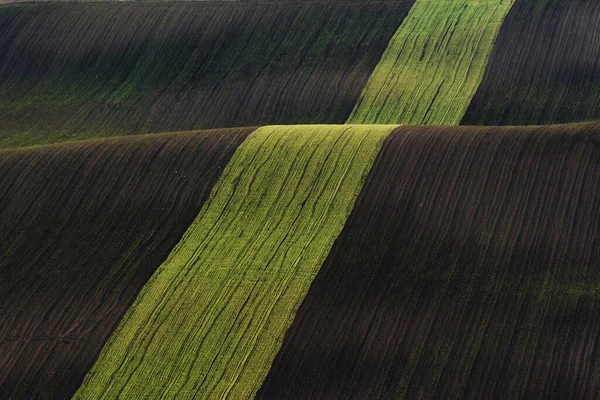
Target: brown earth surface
[[82, 228]]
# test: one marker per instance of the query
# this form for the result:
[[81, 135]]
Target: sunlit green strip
[[433, 64], [211, 320]]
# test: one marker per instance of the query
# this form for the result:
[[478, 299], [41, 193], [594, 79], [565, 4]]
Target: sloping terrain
[[545, 67], [72, 71], [300, 261], [467, 269], [83, 226], [433, 64], [210, 321]]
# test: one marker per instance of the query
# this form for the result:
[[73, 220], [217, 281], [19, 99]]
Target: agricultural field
[[211, 319], [79, 71], [83, 226], [468, 268], [291, 199], [545, 68], [433, 64]]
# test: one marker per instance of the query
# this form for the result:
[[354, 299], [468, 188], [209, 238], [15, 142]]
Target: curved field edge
[[82, 71], [545, 66], [83, 226], [433, 64], [212, 317], [468, 268]]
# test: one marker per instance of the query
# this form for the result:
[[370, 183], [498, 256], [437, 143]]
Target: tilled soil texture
[[467, 269], [82, 228], [545, 67], [93, 70]]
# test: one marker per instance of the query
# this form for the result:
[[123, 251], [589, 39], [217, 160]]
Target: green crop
[[213, 316], [433, 64]]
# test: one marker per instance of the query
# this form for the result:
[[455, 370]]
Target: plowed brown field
[[82, 228]]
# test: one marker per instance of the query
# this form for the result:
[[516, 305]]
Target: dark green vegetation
[[545, 67], [467, 269], [210, 321], [71, 71], [83, 226]]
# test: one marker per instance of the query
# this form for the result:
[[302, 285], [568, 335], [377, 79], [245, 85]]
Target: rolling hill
[[83, 226], [77, 71], [545, 67], [300, 199]]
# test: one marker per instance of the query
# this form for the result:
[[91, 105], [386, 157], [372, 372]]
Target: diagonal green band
[[212, 318], [433, 64]]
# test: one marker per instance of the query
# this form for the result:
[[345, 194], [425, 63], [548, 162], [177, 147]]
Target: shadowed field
[[92, 70], [545, 67], [82, 228], [467, 269]]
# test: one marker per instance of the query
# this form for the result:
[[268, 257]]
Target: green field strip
[[212, 318], [433, 64]]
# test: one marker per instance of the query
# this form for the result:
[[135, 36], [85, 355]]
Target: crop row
[[545, 68], [433, 64]]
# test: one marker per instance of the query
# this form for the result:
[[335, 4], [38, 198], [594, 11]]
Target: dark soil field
[[73, 71], [467, 269], [545, 67], [82, 228]]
